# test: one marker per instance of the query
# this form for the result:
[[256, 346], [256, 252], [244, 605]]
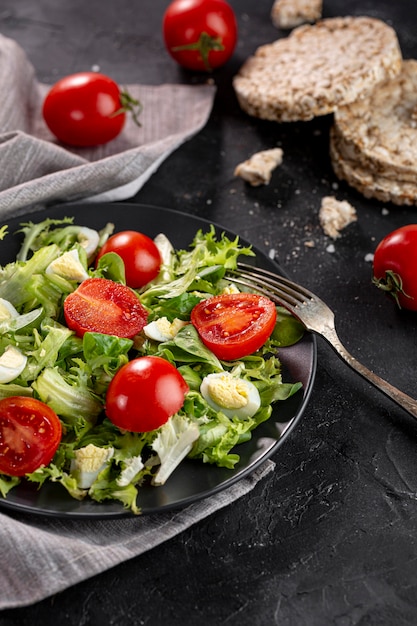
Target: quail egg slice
[[235, 397], [68, 266], [7, 310], [12, 364], [231, 288], [89, 240], [162, 329], [88, 462]]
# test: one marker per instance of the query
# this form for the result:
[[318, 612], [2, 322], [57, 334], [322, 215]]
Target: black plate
[[192, 480]]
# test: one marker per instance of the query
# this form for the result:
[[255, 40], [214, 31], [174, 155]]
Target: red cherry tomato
[[87, 109], [144, 394], [102, 306], [30, 433], [234, 325], [140, 255], [394, 266], [200, 34]]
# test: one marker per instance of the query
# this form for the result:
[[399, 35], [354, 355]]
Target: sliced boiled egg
[[89, 240], [235, 397], [162, 329], [12, 364], [88, 462], [230, 289], [7, 310], [10, 320], [68, 266]]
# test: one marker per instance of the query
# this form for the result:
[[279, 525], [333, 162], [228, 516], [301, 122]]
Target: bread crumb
[[291, 13], [334, 215], [257, 170]]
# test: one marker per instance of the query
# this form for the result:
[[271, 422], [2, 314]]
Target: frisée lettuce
[[71, 374]]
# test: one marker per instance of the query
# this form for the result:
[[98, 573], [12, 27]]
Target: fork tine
[[298, 292], [280, 289], [270, 291]]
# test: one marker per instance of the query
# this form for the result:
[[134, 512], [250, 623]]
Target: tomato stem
[[205, 44], [129, 105], [391, 283]]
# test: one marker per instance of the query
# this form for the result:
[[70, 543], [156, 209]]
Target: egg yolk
[[231, 394]]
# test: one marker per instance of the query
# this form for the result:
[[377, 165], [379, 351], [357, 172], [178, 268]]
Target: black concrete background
[[330, 537]]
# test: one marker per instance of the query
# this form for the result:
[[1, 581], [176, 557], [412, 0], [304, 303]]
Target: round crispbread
[[370, 183], [317, 68], [379, 132]]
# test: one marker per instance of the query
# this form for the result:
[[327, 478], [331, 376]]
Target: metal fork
[[317, 317]]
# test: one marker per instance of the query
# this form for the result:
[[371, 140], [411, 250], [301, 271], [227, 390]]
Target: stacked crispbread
[[373, 141], [352, 67]]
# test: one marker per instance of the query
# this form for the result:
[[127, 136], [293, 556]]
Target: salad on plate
[[121, 356]]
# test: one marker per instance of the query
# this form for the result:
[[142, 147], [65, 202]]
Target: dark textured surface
[[330, 537]]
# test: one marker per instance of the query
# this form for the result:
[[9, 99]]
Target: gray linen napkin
[[41, 557], [36, 169]]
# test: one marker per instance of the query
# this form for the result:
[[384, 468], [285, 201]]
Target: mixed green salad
[[42, 358]]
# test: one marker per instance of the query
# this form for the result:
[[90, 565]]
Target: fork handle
[[406, 402]]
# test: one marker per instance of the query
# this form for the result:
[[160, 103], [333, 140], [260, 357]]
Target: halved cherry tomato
[[87, 109], [102, 306], [234, 325], [139, 253], [144, 394], [394, 266], [200, 34], [30, 433]]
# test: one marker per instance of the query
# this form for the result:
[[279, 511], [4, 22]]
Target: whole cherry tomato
[[200, 34], [30, 433], [87, 109], [394, 266], [139, 253], [144, 394], [234, 325]]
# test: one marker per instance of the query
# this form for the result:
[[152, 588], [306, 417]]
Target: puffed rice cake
[[371, 183], [317, 68], [379, 132]]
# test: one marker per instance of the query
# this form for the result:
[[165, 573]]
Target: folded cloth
[[38, 170], [43, 556]]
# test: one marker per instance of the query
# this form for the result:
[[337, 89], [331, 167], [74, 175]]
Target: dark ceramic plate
[[192, 480]]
